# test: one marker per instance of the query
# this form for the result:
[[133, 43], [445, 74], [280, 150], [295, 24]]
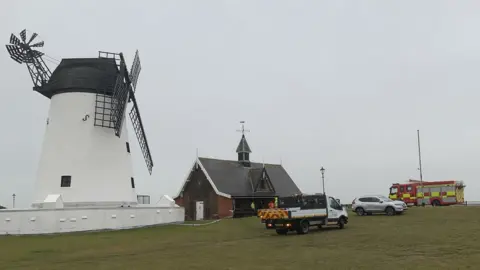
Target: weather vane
[[243, 130]]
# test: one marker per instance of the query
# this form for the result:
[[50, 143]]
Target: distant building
[[217, 188]]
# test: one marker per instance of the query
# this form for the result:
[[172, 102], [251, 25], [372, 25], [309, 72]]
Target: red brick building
[[216, 188]]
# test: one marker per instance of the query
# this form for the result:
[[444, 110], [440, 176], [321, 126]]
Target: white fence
[[44, 221]]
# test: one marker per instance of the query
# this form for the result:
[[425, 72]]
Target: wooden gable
[[263, 184]]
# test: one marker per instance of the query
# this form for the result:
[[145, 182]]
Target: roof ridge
[[232, 160]]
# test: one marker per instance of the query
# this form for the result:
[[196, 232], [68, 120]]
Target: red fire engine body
[[435, 193]]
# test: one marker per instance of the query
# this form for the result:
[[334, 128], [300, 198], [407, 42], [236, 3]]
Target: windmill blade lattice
[[21, 52], [123, 92], [23, 35]]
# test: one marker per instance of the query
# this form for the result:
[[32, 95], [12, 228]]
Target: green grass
[[424, 238]]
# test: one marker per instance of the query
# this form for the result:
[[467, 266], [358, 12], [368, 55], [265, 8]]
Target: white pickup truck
[[300, 212]]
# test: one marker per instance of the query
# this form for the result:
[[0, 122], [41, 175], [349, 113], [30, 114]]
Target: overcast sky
[[343, 84]]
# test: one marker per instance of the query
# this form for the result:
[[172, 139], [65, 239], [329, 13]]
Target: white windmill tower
[[85, 155]]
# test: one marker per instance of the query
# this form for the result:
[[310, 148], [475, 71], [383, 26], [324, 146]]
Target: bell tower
[[243, 150]]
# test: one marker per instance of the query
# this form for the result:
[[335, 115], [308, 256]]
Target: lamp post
[[13, 196], [322, 170]]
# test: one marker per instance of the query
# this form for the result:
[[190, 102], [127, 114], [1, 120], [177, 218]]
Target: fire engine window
[[402, 189], [393, 190], [409, 188]]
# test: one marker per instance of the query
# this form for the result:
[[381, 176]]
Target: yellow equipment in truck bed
[[273, 213]]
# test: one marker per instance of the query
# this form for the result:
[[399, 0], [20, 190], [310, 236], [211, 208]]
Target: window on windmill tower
[[132, 182], [66, 181], [128, 147]]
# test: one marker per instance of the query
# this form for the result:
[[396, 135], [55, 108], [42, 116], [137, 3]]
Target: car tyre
[[360, 211], [304, 227], [390, 211], [341, 223]]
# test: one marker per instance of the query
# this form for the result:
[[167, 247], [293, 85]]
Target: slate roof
[[254, 175], [230, 177], [243, 146]]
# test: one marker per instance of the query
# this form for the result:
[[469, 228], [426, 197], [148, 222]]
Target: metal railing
[[470, 203]]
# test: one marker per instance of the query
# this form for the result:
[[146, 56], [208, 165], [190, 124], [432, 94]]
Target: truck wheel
[[304, 227], [360, 211], [282, 231], [341, 223], [436, 203], [390, 211]]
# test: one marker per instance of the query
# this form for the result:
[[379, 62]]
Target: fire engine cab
[[433, 193]]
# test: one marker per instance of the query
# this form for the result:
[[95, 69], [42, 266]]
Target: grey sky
[[343, 84]]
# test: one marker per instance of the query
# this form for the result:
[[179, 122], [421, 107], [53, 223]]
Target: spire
[[243, 150]]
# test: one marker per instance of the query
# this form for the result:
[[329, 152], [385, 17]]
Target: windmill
[[80, 154]]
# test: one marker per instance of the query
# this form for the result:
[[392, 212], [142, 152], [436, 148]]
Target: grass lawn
[[424, 238]]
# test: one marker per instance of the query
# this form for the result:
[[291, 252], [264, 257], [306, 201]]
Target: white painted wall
[[96, 159], [71, 220]]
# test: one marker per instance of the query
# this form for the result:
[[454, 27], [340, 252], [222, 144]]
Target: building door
[[199, 210]]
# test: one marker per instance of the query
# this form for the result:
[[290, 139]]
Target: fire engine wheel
[[304, 227], [435, 203], [282, 231], [390, 211], [360, 211]]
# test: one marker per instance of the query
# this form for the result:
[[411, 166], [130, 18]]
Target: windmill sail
[[135, 71], [116, 103], [140, 132], [119, 99]]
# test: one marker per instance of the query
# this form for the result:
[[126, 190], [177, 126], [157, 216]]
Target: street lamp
[[13, 196], [322, 170]]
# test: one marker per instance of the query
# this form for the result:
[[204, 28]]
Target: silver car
[[367, 205]]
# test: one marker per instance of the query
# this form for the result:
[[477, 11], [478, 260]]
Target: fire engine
[[433, 193]]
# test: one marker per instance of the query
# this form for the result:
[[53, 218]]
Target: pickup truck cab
[[300, 212]]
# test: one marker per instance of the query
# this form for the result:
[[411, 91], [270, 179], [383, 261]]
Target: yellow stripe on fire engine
[[420, 194], [451, 193], [275, 214], [406, 195], [393, 196], [435, 194]]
